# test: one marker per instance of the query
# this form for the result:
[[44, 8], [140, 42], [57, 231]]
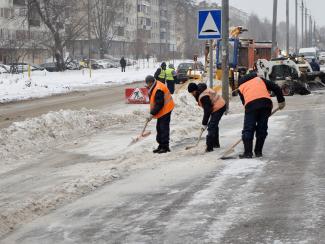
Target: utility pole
[[274, 27], [296, 28], [310, 31], [89, 38], [288, 29], [302, 24], [315, 37], [225, 51], [306, 27]]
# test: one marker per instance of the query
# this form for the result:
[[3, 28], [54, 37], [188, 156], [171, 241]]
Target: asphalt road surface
[[279, 199]]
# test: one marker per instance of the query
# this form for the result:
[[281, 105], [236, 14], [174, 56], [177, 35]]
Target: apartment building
[[141, 28], [20, 33]]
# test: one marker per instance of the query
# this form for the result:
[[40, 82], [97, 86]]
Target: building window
[[19, 2]]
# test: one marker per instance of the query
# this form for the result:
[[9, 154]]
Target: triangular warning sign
[[209, 27], [137, 95]]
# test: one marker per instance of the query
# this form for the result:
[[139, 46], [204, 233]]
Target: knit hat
[[149, 79], [192, 87]]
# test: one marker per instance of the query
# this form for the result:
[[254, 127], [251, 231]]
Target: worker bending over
[[214, 107], [255, 96]]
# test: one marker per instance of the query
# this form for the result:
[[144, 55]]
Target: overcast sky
[[264, 8]]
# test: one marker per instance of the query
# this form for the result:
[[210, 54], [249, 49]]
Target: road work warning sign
[[136, 95]]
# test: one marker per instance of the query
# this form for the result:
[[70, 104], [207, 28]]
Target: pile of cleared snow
[[23, 139]]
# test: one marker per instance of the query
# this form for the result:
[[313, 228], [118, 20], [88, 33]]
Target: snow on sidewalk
[[42, 83]]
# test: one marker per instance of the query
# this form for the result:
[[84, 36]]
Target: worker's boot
[[210, 144], [157, 149], [248, 149], [209, 149], [216, 143], [164, 149], [259, 147]]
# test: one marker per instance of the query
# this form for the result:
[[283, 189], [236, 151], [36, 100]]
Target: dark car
[[50, 67], [183, 68], [16, 68]]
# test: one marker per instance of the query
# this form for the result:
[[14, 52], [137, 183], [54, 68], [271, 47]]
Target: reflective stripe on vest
[[168, 100], [217, 101], [254, 89], [162, 74], [169, 74]]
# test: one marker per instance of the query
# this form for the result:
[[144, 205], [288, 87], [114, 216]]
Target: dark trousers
[[213, 127], [123, 68], [171, 86], [163, 129], [256, 121]]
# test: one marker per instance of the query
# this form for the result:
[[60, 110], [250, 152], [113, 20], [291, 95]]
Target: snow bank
[[24, 139]]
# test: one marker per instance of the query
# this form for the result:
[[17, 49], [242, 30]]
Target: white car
[[103, 63], [322, 58]]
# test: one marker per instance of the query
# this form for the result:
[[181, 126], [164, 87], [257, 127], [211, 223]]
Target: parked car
[[4, 69], [50, 67], [322, 58], [18, 68], [183, 68], [95, 64]]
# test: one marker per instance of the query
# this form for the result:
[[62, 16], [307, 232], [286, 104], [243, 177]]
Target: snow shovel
[[232, 148], [197, 143], [143, 134]]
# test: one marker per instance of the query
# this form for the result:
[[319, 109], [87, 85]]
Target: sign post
[[225, 51], [209, 28]]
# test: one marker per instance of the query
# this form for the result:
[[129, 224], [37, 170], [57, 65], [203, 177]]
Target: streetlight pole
[[302, 24], [296, 28], [225, 51], [306, 27], [274, 42], [310, 31], [288, 28]]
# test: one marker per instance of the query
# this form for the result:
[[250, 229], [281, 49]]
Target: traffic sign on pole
[[209, 24]]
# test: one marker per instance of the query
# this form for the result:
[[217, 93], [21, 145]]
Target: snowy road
[[96, 99], [182, 197]]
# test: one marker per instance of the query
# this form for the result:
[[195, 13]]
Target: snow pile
[[23, 139]]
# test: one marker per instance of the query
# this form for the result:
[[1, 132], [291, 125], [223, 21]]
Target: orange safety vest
[[216, 100], [168, 103], [254, 89]]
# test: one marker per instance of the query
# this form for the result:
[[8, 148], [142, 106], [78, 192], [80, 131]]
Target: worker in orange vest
[[214, 107], [255, 96], [161, 107]]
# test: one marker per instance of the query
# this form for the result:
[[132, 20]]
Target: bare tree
[[59, 16]]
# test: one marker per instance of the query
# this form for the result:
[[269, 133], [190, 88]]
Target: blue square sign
[[209, 24]]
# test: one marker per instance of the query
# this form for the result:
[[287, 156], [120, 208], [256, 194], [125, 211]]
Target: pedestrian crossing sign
[[209, 24]]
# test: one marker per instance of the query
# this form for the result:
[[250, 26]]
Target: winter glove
[[149, 118], [282, 105], [204, 127]]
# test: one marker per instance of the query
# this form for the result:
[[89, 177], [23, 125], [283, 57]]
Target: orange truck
[[243, 54]]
